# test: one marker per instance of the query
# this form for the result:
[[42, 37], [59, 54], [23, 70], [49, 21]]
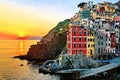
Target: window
[[79, 33], [79, 39], [76, 52], [101, 37], [109, 44], [74, 33], [74, 45], [74, 39], [98, 43], [79, 45], [84, 45], [101, 49], [84, 39], [92, 34], [101, 43], [80, 51], [88, 40], [99, 26], [85, 33], [98, 37], [98, 50], [106, 35], [106, 39], [92, 45], [104, 49]]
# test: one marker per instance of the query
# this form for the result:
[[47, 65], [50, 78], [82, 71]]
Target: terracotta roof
[[117, 18]]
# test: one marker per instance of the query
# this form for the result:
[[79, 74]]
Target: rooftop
[[117, 18]]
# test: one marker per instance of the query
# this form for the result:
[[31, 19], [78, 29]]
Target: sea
[[11, 69]]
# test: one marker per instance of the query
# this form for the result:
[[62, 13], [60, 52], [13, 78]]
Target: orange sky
[[7, 36], [34, 17], [22, 23], [25, 20]]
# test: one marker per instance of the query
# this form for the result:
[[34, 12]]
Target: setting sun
[[21, 34]]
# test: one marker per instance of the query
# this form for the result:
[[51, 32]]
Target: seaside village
[[93, 38], [94, 32]]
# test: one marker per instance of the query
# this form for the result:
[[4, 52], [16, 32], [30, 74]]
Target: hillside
[[51, 44]]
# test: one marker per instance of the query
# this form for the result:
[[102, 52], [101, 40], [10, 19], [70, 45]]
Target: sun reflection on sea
[[21, 47]]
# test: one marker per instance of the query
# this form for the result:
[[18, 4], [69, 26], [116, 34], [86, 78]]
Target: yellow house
[[103, 15], [109, 7], [107, 13], [90, 43]]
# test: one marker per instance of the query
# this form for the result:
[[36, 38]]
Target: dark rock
[[22, 57]]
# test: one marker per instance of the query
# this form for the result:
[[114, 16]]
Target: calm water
[[10, 68]]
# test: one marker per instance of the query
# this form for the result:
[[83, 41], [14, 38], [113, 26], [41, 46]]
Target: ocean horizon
[[10, 68]]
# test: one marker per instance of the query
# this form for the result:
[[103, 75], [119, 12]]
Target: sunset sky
[[19, 18]]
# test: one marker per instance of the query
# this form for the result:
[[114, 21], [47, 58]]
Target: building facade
[[104, 10], [90, 43], [77, 40], [110, 41], [117, 30], [113, 41], [100, 42]]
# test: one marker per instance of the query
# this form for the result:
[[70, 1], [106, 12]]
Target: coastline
[[24, 57]]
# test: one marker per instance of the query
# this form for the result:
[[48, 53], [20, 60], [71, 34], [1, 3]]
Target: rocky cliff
[[51, 44]]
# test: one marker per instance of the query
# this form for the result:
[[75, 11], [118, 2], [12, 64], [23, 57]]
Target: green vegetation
[[61, 26]]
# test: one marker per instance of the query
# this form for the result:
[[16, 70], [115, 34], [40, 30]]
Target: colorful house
[[117, 30], [84, 12], [113, 41], [100, 42], [105, 42], [103, 15], [110, 41], [104, 10], [90, 43], [117, 19], [109, 7], [94, 32], [77, 40]]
